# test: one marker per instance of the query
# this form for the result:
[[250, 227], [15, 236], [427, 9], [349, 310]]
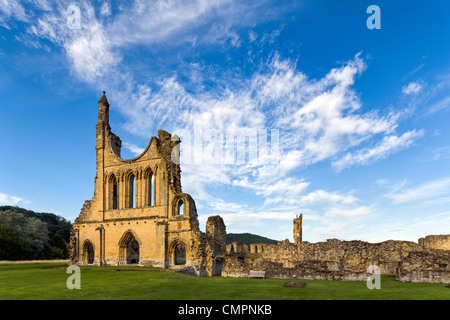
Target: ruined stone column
[[298, 229]]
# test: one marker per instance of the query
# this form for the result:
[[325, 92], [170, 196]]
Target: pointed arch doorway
[[178, 253], [88, 252], [129, 246]]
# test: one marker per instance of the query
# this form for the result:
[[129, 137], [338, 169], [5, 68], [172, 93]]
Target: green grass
[[41, 281]]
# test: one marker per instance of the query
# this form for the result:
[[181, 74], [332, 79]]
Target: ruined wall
[[238, 266], [350, 255], [359, 255], [425, 261], [208, 249], [333, 260], [436, 242], [429, 265]]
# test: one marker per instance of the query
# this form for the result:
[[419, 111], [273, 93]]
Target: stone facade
[[139, 214]]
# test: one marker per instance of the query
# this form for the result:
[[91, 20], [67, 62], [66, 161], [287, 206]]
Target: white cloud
[[133, 148], [322, 196], [9, 200], [410, 228], [174, 21], [287, 190], [252, 36], [329, 214], [90, 51], [321, 118], [97, 48], [105, 9], [412, 88], [228, 207], [440, 153], [392, 187], [11, 9], [256, 218], [431, 190], [389, 144], [335, 215], [441, 104], [416, 69], [348, 213], [91, 54]]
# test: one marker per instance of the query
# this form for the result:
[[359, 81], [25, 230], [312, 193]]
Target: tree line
[[29, 235], [248, 238]]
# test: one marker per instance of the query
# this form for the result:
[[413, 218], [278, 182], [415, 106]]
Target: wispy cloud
[[338, 219], [322, 196], [403, 229], [416, 69], [88, 47], [10, 200], [133, 148], [286, 191], [106, 33], [439, 153], [12, 10], [412, 88], [428, 191], [389, 145], [440, 105], [105, 9], [161, 21]]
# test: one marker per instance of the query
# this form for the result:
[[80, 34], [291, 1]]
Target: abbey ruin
[[139, 215]]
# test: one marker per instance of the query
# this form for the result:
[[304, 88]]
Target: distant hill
[[55, 223], [29, 235], [248, 238]]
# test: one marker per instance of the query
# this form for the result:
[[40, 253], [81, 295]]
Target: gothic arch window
[[155, 188], [130, 190], [178, 207], [150, 191], [113, 193]]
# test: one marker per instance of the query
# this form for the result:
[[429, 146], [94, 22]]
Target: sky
[[355, 118]]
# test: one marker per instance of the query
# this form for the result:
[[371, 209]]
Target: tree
[[12, 246], [59, 247], [55, 224], [32, 230]]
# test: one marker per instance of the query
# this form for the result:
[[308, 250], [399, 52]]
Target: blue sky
[[362, 114]]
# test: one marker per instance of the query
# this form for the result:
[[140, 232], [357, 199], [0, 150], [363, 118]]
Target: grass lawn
[[42, 281]]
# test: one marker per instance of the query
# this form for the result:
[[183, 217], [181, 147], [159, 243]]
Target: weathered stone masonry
[[342, 260], [139, 214]]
